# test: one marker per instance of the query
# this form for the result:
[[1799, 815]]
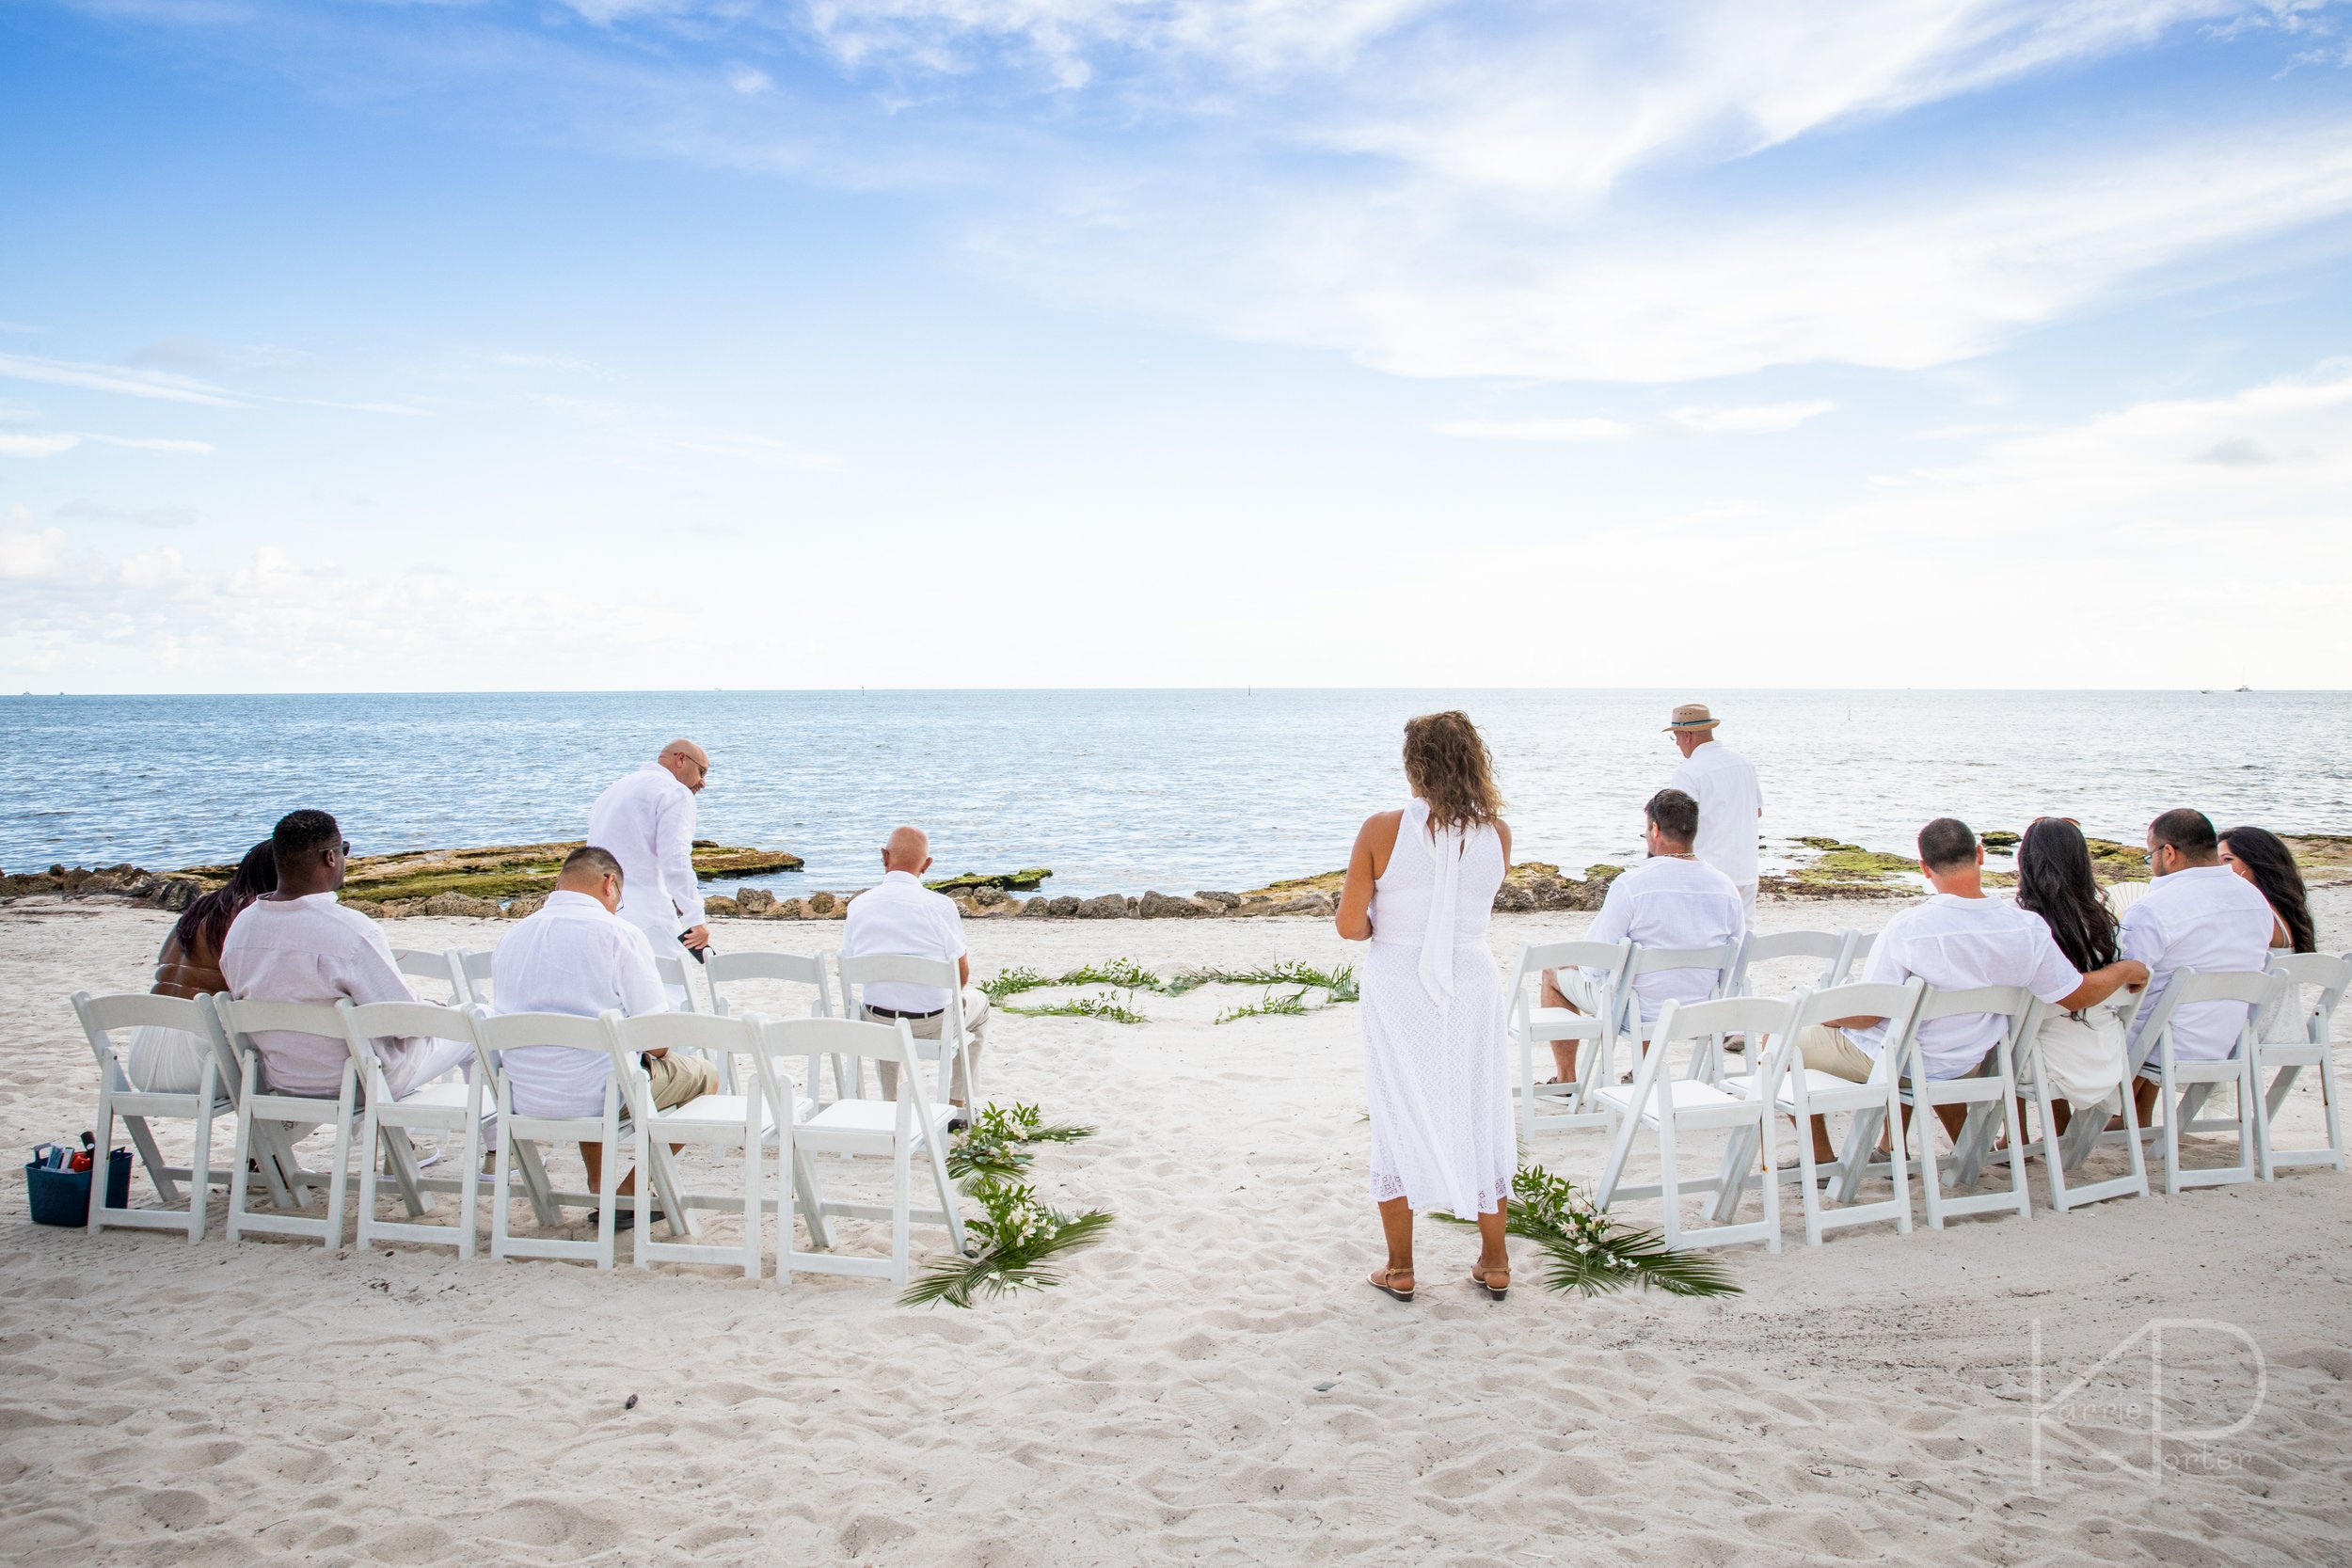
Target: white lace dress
[[1435, 1069]]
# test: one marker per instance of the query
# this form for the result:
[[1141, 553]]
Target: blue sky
[[352, 344]]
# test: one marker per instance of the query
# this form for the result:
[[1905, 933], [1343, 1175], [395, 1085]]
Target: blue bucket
[[62, 1197]]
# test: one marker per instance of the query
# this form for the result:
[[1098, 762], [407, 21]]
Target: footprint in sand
[[1376, 1485]]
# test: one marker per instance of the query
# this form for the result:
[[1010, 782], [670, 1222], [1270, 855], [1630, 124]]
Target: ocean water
[[1129, 790]]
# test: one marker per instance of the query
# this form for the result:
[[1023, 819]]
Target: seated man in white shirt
[[298, 944], [898, 914], [1670, 900], [2196, 915], [1959, 940], [578, 956]]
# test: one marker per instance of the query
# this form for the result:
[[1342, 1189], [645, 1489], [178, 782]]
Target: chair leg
[[241, 1154], [373, 1144], [2328, 1105], [469, 1193], [1669, 1188], [645, 1196], [94, 1218], [946, 1195], [901, 1199], [200, 1155], [500, 1166], [754, 1218], [2016, 1150], [337, 1179]]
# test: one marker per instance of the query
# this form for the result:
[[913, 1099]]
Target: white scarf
[[1446, 847]]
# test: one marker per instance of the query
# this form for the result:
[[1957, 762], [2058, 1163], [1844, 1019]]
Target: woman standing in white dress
[[1421, 885]]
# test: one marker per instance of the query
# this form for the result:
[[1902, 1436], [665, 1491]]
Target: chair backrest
[[1834, 949], [672, 968], [2327, 975], [883, 1040], [1897, 1005], [243, 1019], [472, 965], [416, 963], [1650, 961], [794, 969], [1767, 1022], [102, 1015], [497, 1032], [2019, 1009], [1863, 942], [707, 1033], [1606, 958], [868, 968], [364, 1024]]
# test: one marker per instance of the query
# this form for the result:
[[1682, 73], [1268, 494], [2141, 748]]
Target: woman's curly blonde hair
[[1448, 764]]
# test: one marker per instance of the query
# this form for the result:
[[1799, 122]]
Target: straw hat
[[1692, 716]]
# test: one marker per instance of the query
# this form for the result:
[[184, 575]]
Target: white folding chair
[[2185, 1085], [1675, 1105], [896, 1129], [713, 1122], [469, 968], [118, 1097], [1834, 949], [2299, 1038], [445, 1109], [2064, 1153], [674, 969], [787, 969], [267, 1120], [1989, 1094], [435, 970], [1803, 1093], [938, 974], [519, 1138], [1650, 961], [1531, 1025]]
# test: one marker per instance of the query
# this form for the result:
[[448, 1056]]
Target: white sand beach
[[1214, 1384]]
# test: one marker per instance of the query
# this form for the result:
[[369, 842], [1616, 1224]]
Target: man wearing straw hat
[[1724, 784]]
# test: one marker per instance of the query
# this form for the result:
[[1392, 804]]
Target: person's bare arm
[[1503, 832], [963, 970], [1374, 842], [1858, 1022], [2100, 984]]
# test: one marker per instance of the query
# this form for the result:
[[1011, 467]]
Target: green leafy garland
[[1017, 1232], [1127, 976], [1592, 1254]]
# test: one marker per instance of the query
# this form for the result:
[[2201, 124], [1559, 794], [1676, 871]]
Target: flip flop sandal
[[1389, 1291]]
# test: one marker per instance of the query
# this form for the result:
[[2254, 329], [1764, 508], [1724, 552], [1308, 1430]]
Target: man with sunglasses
[[299, 944], [646, 822]]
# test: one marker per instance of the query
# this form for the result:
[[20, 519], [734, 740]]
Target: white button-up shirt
[[1956, 944], [571, 956], [1724, 784], [311, 949], [1669, 902], [898, 914], [2207, 918], [646, 822]]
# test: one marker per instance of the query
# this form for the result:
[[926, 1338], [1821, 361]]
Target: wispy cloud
[[1763, 419], [51, 443], [1538, 430], [129, 381]]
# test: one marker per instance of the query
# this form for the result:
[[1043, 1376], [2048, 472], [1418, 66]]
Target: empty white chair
[[265, 1120], [714, 1121], [1989, 1094], [439, 977], [2185, 1085], [1875, 1105], [940, 974], [1675, 1105], [1546, 1105], [674, 969], [1833, 949], [444, 1109], [518, 1138], [2299, 1038], [898, 1130], [118, 1097], [785, 969]]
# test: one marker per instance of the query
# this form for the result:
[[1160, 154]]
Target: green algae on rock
[[502, 871], [1025, 880]]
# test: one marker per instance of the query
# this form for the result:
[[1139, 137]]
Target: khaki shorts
[[1830, 1051], [677, 1078]]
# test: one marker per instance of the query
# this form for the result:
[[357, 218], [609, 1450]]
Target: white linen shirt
[[1670, 902], [1724, 784], [2207, 918], [311, 949], [571, 956], [647, 821], [898, 914], [1956, 944]]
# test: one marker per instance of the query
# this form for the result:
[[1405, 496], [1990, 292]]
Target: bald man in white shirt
[[647, 821], [898, 914]]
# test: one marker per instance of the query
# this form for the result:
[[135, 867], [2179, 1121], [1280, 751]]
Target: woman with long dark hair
[[1421, 884], [171, 1061], [2082, 1053], [2263, 858]]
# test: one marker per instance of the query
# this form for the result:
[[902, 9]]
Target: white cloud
[[38, 446], [1538, 430], [26, 556], [749, 80], [1763, 419], [115, 378]]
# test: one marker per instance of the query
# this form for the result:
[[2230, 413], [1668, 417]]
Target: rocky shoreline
[[506, 882]]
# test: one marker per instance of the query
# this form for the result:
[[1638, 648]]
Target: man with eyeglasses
[[299, 944], [647, 821]]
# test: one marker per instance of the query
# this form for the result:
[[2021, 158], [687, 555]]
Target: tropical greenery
[[1016, 1232], [1589, 1253], [1000, 1141]]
